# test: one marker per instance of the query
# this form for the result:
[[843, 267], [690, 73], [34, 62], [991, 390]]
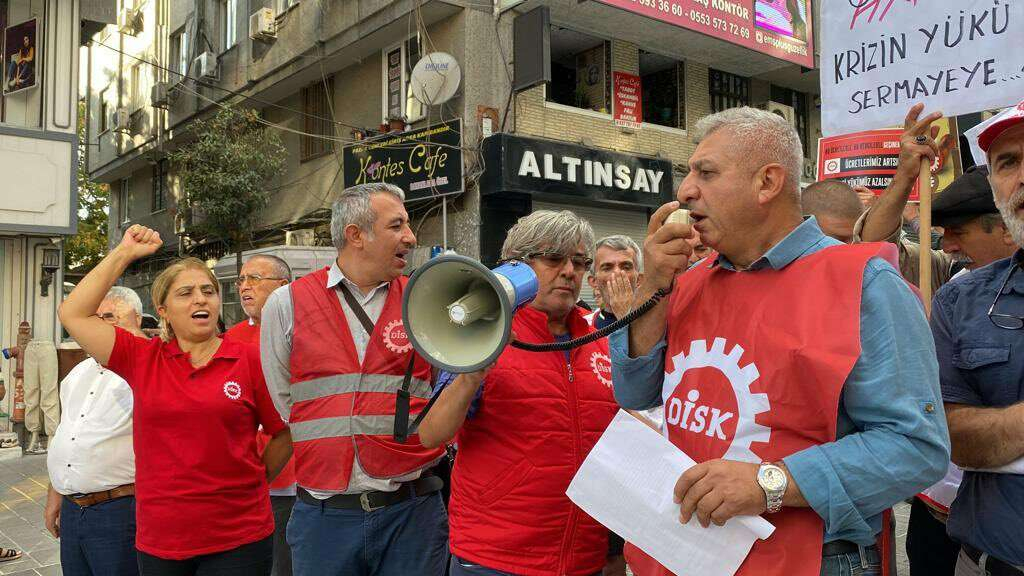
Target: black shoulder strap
[[357, 309], [401, 431]]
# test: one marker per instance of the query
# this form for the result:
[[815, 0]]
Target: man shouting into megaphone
[[524, 427], [797, 372]]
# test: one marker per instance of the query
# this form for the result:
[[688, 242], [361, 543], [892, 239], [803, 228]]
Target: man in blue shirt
[[891, 437], [976, 321]]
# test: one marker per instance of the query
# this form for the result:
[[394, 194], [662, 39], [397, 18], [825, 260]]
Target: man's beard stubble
[[1008, 210]]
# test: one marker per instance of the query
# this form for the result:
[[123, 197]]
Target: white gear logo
[[390, 341], [232, 390], [595, 363], [749, 404]]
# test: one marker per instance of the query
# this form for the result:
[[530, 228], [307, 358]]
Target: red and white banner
[[627, 100]]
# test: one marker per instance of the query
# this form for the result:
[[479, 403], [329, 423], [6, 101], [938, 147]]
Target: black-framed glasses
[[1005, 321], [557, 260], [254, 278]]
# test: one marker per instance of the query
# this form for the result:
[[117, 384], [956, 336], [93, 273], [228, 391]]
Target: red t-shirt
[[200, 484], [250, 334]]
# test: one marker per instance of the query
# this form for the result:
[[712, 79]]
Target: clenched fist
[[139, 241]]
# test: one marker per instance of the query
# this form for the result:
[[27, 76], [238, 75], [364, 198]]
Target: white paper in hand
[[626, 484]]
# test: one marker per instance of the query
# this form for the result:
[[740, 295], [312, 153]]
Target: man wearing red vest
[[798, 372], [259, 277], [531, 421], [334, 353]]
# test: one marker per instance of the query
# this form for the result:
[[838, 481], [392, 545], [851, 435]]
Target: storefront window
[[727, 90], [578, 70], [662, 84]]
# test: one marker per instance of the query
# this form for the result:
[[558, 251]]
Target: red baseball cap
[[1001, 123]]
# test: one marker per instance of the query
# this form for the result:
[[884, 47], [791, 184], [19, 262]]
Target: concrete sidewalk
[[23, 483]]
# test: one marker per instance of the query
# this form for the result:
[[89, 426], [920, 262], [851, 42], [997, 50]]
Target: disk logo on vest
[[396, 338], [709, 408], [602, 366], [232, 390]]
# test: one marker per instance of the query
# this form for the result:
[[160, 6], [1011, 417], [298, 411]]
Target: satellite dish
[[435, 78]]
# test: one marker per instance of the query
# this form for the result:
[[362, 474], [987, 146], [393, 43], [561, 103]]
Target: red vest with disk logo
[[754, 367], [343, 411]]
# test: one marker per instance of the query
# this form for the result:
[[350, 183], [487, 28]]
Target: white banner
[[879, 57]]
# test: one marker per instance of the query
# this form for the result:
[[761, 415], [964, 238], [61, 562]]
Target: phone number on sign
[[697, 16]]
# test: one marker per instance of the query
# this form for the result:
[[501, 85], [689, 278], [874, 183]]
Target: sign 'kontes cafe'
[[559, 169]]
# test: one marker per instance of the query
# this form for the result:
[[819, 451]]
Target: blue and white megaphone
[[458, 314]]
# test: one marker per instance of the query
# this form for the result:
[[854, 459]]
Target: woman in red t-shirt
[[201, 487]]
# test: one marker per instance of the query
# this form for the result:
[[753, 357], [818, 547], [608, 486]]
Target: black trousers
[[282, 506], [930, 550], [255, 559]]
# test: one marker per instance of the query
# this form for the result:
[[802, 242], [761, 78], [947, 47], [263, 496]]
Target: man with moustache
[[976, 321], [259, 277], [820, 415]]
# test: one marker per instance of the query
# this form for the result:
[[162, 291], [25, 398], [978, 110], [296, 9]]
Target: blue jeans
[[867, 562], [98, 540], [407, 538]]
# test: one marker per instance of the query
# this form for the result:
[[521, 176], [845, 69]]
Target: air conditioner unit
[[303, 237], [159, 94], [205, 65], [263, 24], [119, 119], [783, 110], [129, 21], [810, 169]]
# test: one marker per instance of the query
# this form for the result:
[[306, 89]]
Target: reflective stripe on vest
[[348, 383]]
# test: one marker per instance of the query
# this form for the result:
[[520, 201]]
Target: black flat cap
[[968, 197]]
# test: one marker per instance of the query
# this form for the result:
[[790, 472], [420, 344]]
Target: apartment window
[[179, 54], [398, 64], [104, 111], [798, 101], [317, 122], [661, 87], [159, 186], [123, 199], [578, 70], [727, 90], [229, 19], [136, 87]]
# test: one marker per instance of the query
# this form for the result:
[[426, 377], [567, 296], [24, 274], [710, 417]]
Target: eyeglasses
[[1005, 321], [557, 260], [254, 278], [107, 317]]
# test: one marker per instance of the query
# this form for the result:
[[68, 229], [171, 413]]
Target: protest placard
[[869, 158], [879, 57]]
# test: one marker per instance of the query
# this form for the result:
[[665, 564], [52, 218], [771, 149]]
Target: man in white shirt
[[91, 503]]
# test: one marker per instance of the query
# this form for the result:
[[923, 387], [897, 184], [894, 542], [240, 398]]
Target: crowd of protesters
[[272, 448]]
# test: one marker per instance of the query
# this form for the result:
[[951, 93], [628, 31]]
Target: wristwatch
[[773, 481]]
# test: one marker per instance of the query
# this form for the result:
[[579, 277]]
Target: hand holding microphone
[[666, 251]]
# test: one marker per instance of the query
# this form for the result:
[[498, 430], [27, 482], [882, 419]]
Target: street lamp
[[50, 265]]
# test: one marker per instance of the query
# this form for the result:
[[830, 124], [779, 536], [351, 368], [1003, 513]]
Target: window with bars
[[317, 124], [160, 175], [727, 90]]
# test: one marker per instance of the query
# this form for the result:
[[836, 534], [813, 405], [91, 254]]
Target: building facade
[[613, 90], [39, 152]]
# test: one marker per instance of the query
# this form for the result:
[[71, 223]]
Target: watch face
[[773, 478]]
